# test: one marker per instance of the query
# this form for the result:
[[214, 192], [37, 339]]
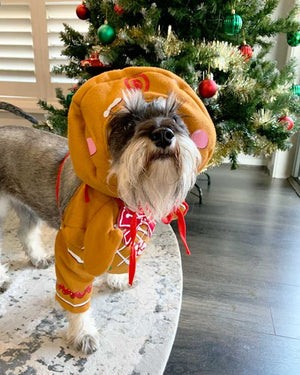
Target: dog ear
[[172, 104], [134, 101]]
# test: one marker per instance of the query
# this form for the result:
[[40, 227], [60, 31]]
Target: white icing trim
[[72, 304], [111, 106], [76, 257]]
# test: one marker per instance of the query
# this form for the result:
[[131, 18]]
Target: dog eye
[[129, 125]]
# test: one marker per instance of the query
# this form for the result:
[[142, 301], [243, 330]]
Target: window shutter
[[59, 13], [16, 50]]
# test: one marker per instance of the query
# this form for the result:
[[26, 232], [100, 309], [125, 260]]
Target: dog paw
[[87, 344], [44, 262], [118, 281], [82, 332]]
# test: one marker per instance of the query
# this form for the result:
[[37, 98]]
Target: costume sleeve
[[74, 284], [102, 239]]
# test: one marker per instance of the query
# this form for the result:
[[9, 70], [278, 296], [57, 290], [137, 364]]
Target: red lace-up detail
[[131, 224]]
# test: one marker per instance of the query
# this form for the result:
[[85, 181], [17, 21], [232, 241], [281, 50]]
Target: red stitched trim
[[66, 291]]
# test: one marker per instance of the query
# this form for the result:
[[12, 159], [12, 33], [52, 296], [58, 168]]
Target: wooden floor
[[241, 296]]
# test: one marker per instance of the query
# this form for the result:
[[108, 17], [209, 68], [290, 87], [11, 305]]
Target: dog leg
[[117, 281], [29, 234], [82, 333], [4, 278]]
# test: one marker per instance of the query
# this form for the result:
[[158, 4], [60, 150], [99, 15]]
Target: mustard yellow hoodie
[[98, 231]]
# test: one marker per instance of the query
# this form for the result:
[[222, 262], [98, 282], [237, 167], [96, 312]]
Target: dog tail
[[18, 112]]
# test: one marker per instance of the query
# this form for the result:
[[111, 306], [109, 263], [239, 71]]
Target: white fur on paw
[[87, 344], [42, 262], [82, 333], [117, 281], [4, 278]]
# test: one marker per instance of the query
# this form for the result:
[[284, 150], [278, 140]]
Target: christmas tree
[[255, 106]]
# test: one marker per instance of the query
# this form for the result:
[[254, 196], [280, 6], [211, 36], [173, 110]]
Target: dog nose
[[162, 137]]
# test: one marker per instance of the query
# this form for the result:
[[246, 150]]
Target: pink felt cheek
[[200, 138], [91, 145]]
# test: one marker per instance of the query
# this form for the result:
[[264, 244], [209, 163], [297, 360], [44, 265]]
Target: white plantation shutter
[[57, 14], [30, 47], [16, 47]]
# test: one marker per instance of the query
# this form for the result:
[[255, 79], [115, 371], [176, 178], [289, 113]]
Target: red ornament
[[287, 121], [246, 51], [82, 12], [118, 9], [207, 88], [92, 61]]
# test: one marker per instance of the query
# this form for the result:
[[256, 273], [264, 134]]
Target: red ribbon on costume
[[181, 223], [86, 194], [132, 261]]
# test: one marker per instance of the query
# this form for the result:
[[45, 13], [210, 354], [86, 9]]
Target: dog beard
[[156, 180]]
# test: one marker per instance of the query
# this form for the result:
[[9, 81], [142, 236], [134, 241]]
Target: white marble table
[[137, 327]]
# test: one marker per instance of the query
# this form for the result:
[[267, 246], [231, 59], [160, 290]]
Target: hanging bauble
[[287, 121], [246, 51], [82, 11], [293, 39], [296, 90], [106, 33], [233, 23], [207, 88], [118, 9]]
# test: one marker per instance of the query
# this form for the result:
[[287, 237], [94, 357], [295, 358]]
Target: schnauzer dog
[[152, 155]]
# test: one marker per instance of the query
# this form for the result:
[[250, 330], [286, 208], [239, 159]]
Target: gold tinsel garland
[[221, 55]]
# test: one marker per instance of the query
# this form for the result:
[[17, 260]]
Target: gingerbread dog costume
[[98, 233]]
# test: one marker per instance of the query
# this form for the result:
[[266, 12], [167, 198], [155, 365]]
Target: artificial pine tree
[[197, 40]]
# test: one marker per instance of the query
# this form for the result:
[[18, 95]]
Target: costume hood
[[99, 97]]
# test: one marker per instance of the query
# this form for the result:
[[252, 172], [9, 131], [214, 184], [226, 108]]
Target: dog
[[151, 153]]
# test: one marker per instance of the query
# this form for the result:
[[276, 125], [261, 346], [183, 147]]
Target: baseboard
[[295, 184]]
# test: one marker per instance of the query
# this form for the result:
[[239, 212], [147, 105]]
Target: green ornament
[[293, 39], [296, 90], [233, 23], [106, 33]]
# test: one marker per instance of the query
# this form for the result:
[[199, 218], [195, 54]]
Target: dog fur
[[152, 133]]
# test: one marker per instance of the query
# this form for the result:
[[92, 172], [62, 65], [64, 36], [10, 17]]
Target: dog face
[[153, 157]]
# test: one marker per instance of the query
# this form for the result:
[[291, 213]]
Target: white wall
[[281, 163]]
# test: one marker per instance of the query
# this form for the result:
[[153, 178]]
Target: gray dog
[[30, 161]]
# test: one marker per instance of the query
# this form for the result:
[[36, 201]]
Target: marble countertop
[[137, 326]]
